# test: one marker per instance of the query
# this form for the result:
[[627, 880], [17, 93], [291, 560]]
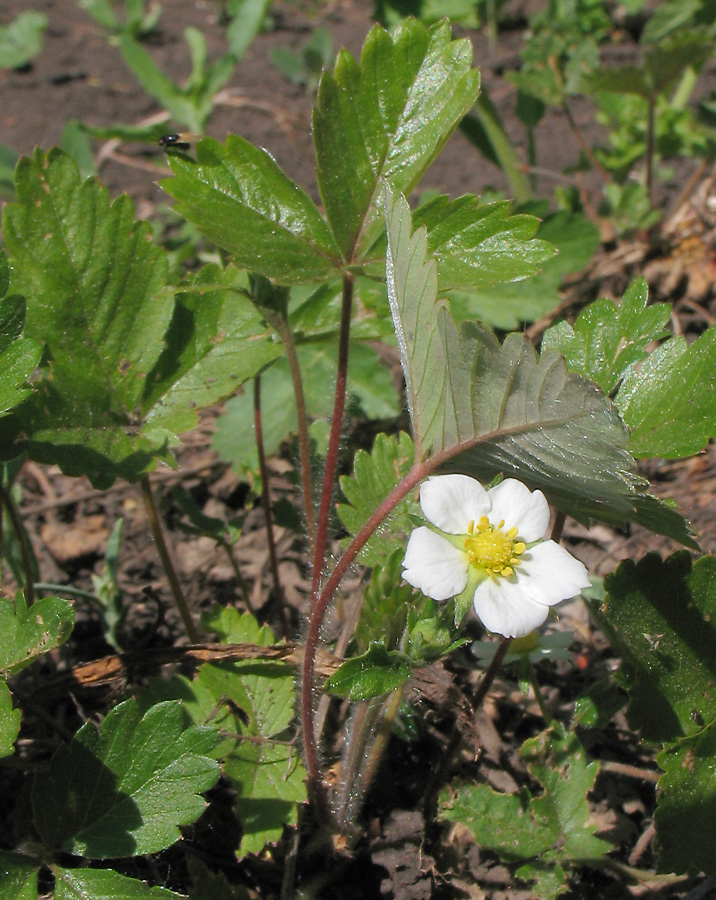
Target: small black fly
[[179, 141]]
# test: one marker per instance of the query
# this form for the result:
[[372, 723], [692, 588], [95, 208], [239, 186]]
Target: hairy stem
[[304, 447], [8, 503], [389, 709], [363, 720], [166, 560], [339, 403], [266, 500], [416, 474]]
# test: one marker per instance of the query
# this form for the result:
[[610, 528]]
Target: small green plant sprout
[[304, 67], [190, 104], [140, 17], [21, 40]]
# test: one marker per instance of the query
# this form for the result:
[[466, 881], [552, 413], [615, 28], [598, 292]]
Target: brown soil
[[79, 76]]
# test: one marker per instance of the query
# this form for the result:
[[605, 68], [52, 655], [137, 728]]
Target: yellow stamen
[[490, 548]]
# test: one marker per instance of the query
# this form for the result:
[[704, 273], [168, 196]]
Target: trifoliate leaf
[[386, 118], [669, 401], [105, 884], [9, 723], [263, 764], [18, 877], [120, 386], [375, 672], [484, 409], [125, 790], [552, 829], [685, 816], [19, 355], [28, 632], [661, 614], [238, 197], [607, 339], [375, 474]]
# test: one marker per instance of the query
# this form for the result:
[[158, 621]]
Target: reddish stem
[[304, 448], [416, 474], [339, 402], [266, 500]]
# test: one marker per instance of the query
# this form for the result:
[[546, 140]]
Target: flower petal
[[548, 574], [505, 609], [520, 507], [434, 565], [453, 501]]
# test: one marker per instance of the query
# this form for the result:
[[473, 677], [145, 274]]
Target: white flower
[[492, 540]]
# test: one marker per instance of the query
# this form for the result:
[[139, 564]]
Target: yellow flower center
[[492, 549]]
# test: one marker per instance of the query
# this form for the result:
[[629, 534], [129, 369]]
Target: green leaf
[[386, 118], [128, 366], [377, 671], [608, 339], [480, 245], [553, 826], [90, 274], [505, 306], [267, 774], [28, 632], [216, 342], [661, 616], [598, 705], [21, 40], [669, 401], [9, 723], [685, 816], [238, 197], [105, 884], [482, 408], [125, 790], [18, 877], [375, 474], [19, 356]]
